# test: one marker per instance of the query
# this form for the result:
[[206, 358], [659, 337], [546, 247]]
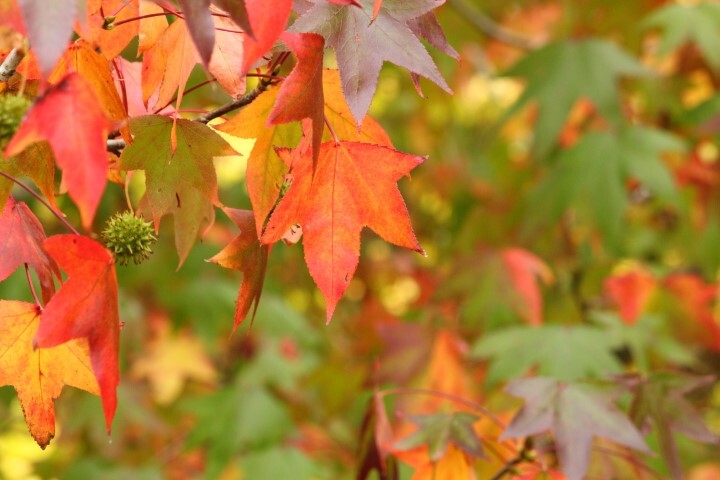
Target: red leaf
[[21, 242], [247, 255], [79, 152], [266, 28], [631, 292], [238, 12], [201, 26], [346, 2], [301, 94], [354, 186], [86, 306], [525, 269]]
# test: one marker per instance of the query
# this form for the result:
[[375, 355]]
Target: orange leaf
[[697, 298], [150, 28], [354, 186], [301, 94], [79, 152], [453, 465], [247, 255], [37, 163], [266, 28], [525, 269], [111, 42], [227, 57], [86, 306], [39, 375], [631, 292], [22, 243]]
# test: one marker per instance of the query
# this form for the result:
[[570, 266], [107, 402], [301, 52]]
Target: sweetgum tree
[[552, 314]]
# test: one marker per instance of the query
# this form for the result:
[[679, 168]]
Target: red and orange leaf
[[39, 375], [631, 292], [11, 16], [86, 306], [238, 12], [227, 57], [49, 27], [265, 170], [246, 254], [266, 28], [94, 68], [113, 41], [354, 187], [454, 464], [696, 299], [200, 25], [79, 152], [21, 242], [525, 269], [301, 94]]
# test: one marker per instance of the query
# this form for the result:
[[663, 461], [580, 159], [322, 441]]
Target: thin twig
[[246, 99], [486, 25], [524, 455], [32, 287], [115, 145], [10, 64], [32, 192]]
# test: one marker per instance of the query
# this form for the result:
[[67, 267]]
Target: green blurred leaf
[[279, 463], [438, 430]]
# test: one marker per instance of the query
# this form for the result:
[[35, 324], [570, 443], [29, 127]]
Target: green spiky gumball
[[12, 111], [129, 238]]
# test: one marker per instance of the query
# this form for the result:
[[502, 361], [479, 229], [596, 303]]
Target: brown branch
[[32, 287], [486, 25], [10, 64], [526, 454]]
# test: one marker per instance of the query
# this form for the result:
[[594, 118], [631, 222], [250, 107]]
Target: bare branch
[[10, 64]]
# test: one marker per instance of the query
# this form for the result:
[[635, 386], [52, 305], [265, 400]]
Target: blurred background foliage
[[588, 155]]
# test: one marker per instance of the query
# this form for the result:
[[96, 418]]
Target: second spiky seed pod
[[128, 238]]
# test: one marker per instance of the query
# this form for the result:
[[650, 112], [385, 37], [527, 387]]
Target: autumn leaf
[[79, 152], [179, 181], [37, 163], [361, 46], [455, 464], [200, 25], [246, 254], [50, 26], [86, 306], [631, 292], [39, 375], [354, 186], [525, 269], [238, 12], [113, 41], [575, 413], [22, 243], [660, 399], [375, 439], [266, 28], [439, 430], [301, 93]]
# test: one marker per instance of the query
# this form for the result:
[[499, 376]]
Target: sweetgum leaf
[[201, 26], [698, 23], [438, 430], [37, 163], [565, 353], [592, 173], [361, 45], [266, 28], [179, 181], [22, 242], [575, 413], [353, 186], [660, 399], [86, 306], [39, 375], [247, 255], [559, 74]]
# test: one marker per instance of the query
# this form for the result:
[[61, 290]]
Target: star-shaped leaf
[[566, 353], [179, 181], [437, 430], [79, 152], [575, 413], [37, 163], [22, 242], [354, 186], [39, 375], [561, 73], [246, 254], [361, 45], [86, 306]]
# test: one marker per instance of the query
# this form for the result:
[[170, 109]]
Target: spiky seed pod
[[128, 237], [12, 110]]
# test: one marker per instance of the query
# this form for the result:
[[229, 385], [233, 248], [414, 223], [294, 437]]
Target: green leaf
[[559, 74], [438, 430], [659, 398], [280, 462], [565, 353], [575, 413], [699, 23], [591, 175], [181, 180]]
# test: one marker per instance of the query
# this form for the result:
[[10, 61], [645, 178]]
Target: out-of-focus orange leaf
[[39, 375], [455, 464], [631, 292], [696, 298], [525, 269]]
